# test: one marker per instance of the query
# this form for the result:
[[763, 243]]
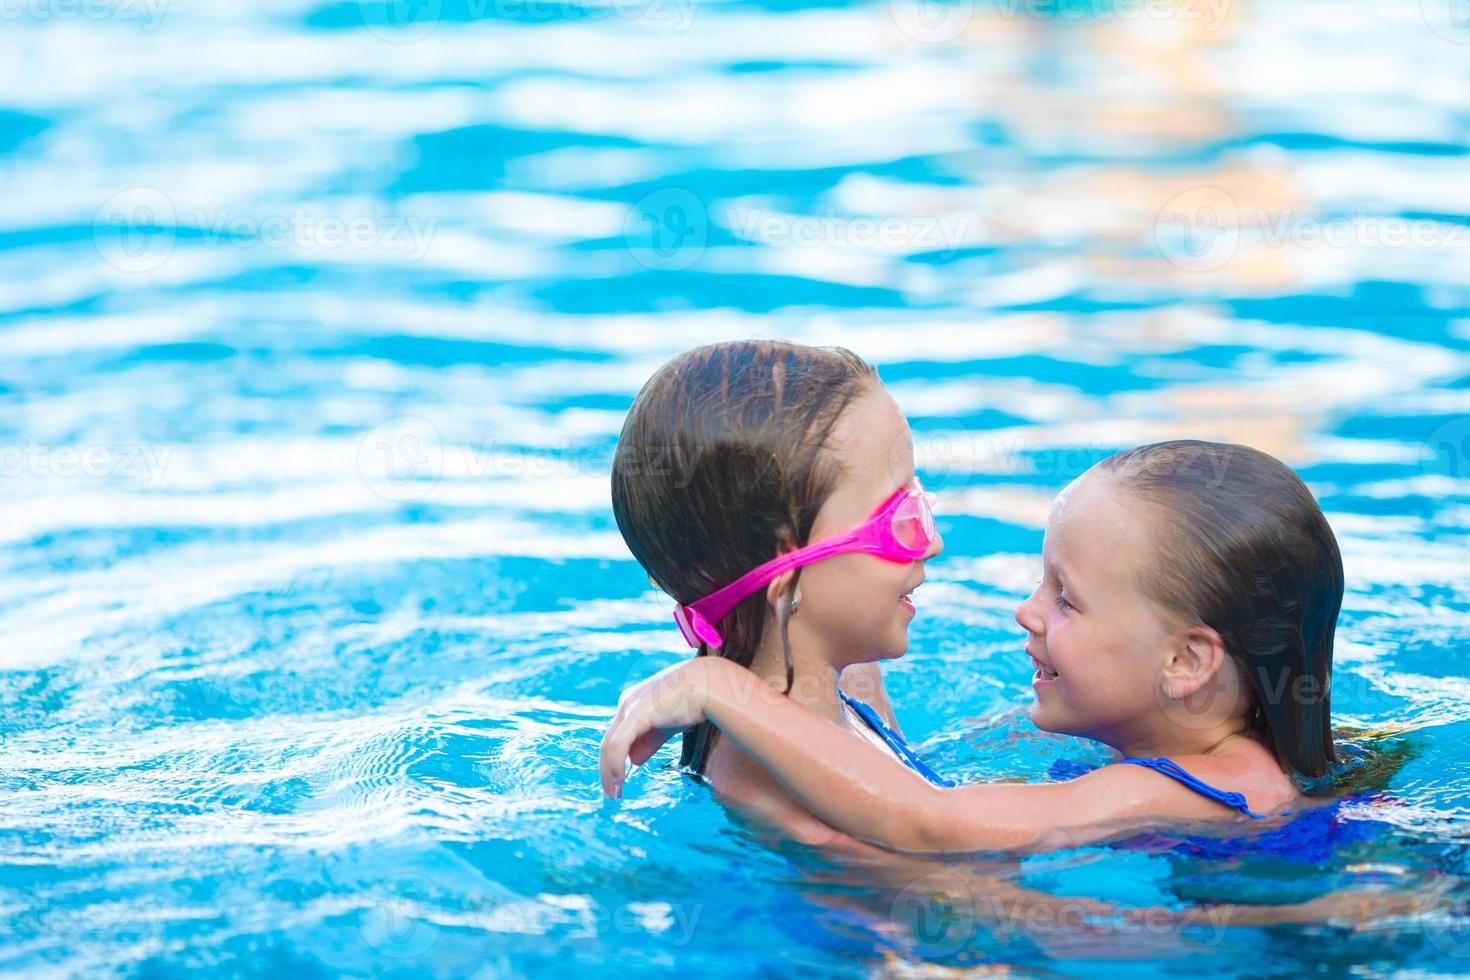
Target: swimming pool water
[[317, 327]]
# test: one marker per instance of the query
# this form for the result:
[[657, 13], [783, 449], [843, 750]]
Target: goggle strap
[[699, 617]]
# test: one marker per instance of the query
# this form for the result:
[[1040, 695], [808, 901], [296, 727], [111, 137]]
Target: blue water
[[317, 327]]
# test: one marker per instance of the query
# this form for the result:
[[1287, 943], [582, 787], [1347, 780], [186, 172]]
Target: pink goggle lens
[[913, 522]]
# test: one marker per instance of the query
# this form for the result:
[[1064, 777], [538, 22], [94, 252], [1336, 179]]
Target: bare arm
[[853, 785]]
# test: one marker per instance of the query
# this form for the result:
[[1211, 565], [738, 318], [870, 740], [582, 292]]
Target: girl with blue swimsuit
[[1184, 617]]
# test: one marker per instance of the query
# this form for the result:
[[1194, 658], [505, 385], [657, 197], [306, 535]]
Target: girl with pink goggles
[[900, 530]]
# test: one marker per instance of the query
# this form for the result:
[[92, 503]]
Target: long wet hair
[[721, 466], [1249, 554]]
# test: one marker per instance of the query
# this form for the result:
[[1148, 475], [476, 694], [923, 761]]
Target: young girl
[[733, 461], [1185, 618]]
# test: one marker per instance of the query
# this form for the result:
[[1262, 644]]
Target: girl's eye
[[1063, 603]]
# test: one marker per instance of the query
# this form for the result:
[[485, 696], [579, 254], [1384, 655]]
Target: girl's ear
[[1200, 685], [1197, 659], [778, 585], [777, 588]]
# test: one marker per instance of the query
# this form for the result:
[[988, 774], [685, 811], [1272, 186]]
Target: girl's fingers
[[628, 739], [641, 725], [612, 758]]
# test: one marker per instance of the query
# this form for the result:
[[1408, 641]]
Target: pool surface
[[318, 323]]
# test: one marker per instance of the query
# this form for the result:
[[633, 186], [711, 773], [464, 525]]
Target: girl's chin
[[1040, 717]]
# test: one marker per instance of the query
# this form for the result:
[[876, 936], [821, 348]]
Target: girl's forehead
[[1090, 520], [873, 442]]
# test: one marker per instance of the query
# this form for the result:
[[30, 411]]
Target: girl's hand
[[649, 714]]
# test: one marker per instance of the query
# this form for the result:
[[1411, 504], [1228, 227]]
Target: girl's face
[[857, 607], [1097, 642]]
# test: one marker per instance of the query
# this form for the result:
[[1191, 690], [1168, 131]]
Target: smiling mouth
[[1043, 672]]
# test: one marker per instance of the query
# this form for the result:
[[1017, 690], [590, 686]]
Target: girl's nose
[[935, 546], [1028, 617]]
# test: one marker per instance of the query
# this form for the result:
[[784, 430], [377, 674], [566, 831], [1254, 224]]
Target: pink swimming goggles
[[900, 530]]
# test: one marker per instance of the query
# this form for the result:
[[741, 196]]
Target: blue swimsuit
[[893, 740], [1172, 769], [1166, 767]]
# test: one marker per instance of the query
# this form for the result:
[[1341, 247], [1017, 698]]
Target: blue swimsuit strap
[[1172, 769], [894, 740]]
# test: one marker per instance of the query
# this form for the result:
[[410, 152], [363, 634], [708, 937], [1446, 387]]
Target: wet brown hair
[[721, 466], [1249, 554]]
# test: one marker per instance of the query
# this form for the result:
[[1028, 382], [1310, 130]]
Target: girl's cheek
[[1060, 626]]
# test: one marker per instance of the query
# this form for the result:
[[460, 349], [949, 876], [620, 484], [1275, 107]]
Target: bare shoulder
[[740, 783], [1248, 769]]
